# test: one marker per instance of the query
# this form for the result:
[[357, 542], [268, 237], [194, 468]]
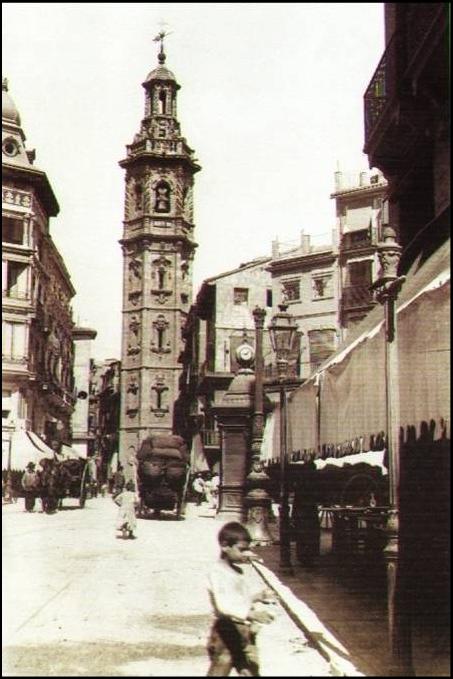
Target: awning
[[351, 397], [26, 446], [198, 462], [68, 453], [374, 458]]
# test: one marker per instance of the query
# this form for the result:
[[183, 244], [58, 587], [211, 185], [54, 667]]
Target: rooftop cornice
[[302, 262], [360, 189], [36, 178]]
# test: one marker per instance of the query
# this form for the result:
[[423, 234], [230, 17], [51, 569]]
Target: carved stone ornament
[[161, 261], [389, 253], [134, 346], [132, 395], [134, 297], [161, 295]]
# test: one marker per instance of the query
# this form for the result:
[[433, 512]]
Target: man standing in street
[[30, 483]]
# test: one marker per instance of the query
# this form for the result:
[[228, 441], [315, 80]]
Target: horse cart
[[61, 479], [162, 475]]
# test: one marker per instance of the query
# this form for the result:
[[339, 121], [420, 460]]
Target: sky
[[271, 100]]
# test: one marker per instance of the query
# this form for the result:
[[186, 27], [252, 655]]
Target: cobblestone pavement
[[77, 601]]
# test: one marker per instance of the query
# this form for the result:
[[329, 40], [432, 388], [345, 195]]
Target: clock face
[[245, 353]]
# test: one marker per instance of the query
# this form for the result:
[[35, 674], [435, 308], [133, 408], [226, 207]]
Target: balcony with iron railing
[[406, 55], [382, 87], [356, 297], [362, 238]]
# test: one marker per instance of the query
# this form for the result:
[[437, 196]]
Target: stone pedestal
[[234, 415]]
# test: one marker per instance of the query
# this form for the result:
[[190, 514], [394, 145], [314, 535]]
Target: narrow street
[[77, 601]]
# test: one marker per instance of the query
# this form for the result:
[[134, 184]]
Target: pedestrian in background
[[198, 487], [30, 484], [215, 483], [235, 600], [127, 501], [119, 480]]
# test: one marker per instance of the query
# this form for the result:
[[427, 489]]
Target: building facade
[[37, 347], [219, 322], [307, 277], [407, 136], [407, 123], [359, 205], [158, 249], [104, 413], [82, 437]]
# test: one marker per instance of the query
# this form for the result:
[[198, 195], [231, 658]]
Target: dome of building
[[160, 73], [9, 110]]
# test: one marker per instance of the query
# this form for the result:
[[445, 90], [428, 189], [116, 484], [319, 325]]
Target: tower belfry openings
[[158, 248]]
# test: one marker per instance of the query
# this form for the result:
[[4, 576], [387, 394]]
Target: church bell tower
[[158, 249]]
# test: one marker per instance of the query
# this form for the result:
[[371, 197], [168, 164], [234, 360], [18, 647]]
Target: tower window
[[161, 279], [160, 338], [162, 197], [138, 197], [268, 297], [162, 102]]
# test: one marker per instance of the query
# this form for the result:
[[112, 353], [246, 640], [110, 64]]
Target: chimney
[[305, 242], [338, 177], [275, 248], [363, 178], [335, 239]]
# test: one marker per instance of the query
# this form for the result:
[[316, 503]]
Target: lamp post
[[257, 499], [282, 329], [386, 290]]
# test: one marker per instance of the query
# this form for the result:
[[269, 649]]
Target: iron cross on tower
[[160, 38]]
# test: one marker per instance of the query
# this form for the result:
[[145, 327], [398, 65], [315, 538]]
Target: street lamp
[[257, 499], [282, 330], [386, 289]]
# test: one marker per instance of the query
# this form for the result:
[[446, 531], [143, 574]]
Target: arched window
[[162, 197], [138, 197], [161, 279], [162, 102], [158, 399], [160, 337]]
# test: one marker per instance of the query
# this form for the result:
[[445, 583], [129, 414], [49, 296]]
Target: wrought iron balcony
[[381, 88], [356, 239], [356, 297], [407, 54]]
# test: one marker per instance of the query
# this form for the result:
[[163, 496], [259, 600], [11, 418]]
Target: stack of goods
[[162, 468]]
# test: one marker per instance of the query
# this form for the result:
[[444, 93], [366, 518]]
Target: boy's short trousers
[[236, 639]]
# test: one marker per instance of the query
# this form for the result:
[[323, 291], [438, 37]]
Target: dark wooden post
[[386, 289]]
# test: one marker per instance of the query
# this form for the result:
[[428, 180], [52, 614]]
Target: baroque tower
[[158, 249]]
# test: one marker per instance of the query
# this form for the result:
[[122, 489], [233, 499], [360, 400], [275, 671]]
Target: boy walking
[[232, 641]]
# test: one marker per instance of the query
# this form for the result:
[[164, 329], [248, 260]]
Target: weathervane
[[160, 38]]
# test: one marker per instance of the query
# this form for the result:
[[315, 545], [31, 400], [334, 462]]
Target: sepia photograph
[[225, 339]]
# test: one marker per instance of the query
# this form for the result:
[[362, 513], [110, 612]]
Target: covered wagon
[[162, 474]]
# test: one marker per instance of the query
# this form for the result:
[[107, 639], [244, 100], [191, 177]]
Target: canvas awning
[[345, 397], [26, 446], [374, 458], [68, 453]]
